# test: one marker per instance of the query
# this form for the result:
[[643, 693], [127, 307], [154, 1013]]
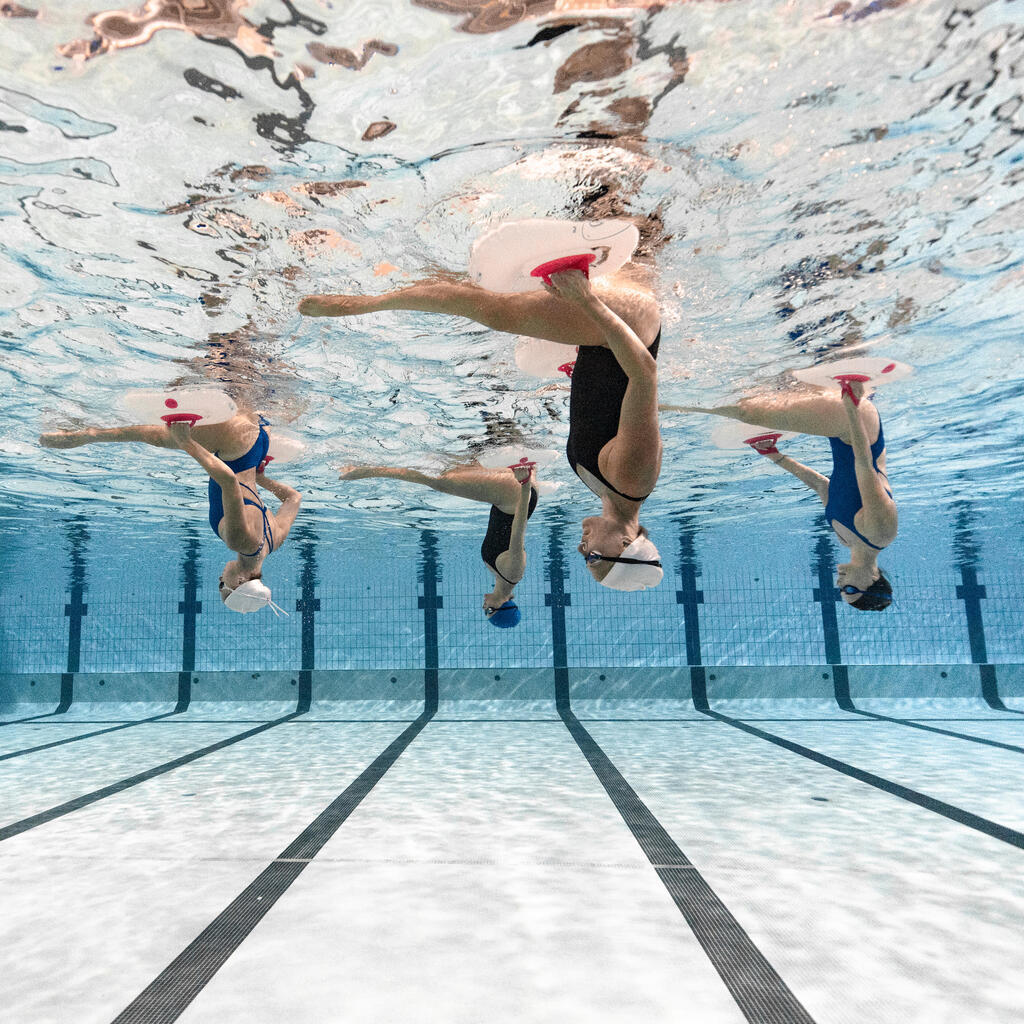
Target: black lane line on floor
[[43, 817], [760, 993], [167, 996], [953, 813], [84, 735], [34, 718], [941, 732], [757, 988]]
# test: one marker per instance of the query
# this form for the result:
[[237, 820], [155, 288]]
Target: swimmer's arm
[[630, 352], [216, 468], [284, 517], [513, 561], [879, 508], [811, 477]]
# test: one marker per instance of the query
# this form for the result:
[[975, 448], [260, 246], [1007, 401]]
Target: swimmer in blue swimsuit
[[614, 441], [858, 501], [234, 454], [512, 497]]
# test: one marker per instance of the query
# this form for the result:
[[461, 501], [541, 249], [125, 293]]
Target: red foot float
[[733, 436]]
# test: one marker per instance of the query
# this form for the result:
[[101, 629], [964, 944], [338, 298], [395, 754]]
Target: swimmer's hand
[[681, 408], [524, 474], [571, 285], [851, 392], [180, 435]]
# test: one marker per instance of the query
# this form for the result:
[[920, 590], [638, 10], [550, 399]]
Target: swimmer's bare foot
[[339, 305], [64, 439]]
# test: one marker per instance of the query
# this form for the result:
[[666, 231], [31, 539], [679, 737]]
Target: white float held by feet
[[733, 435], [539, 358], [871, 371], [283, 448], [513, 455], [511, 257], [180, 405]]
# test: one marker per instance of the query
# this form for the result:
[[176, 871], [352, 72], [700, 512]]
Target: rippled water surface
[[812, 179]]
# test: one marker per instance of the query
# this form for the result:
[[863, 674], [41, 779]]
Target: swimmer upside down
[[614, 443], [512, 495], [233, 454], [859, 505]]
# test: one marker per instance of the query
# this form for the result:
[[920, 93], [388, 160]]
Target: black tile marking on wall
[[757, 988], [189, 607], [827, 595], [972, 593], [690, 596], [953, 813], [85, 736], [430, 602], [558, 599], [75, 609], [43, 817], [168, 995], [308, 605]]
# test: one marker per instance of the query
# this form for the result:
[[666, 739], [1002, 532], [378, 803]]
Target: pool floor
[[770, 861]]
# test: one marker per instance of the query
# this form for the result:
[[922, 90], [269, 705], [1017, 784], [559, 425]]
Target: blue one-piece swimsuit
[[844, 500], [253, 457]]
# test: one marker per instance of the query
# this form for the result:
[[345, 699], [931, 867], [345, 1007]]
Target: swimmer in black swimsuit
[[614, 443], [858, 501], [512, 497], [233, 454]]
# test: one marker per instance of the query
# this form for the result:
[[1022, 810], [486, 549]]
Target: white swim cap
[[632, 576], [251, 596]]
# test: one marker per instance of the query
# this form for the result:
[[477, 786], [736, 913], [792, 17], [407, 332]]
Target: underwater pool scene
[[675, 683]]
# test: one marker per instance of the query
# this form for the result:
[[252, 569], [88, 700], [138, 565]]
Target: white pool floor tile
[[488, 877]]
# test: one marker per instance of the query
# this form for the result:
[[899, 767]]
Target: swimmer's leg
[[811, 414], [495, 487], [151, 434], [537, 314]]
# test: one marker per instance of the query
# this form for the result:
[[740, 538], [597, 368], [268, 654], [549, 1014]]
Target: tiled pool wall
[[96, 608]]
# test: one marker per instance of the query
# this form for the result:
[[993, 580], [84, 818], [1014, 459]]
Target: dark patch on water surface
[[205, 83]]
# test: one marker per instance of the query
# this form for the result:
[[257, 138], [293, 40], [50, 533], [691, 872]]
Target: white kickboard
[[284, 447], [539, 358], [501, 259], [513, 455], [733, 435], [204, 404], [877, 369]]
